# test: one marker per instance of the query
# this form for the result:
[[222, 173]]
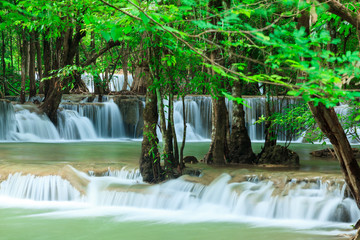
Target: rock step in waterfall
[[319, 201], [118, 118]]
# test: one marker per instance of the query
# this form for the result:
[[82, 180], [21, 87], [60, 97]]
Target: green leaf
[[106, 35], [144, 18], [116, 33]]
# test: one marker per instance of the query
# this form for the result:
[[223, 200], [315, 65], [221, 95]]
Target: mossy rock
[[279, 155]]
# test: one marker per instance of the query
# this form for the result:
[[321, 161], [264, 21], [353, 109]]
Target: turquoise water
[[22, 224], [60, 221]]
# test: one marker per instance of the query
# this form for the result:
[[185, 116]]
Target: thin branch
[[120, 10], [94, 56], [234, 32]]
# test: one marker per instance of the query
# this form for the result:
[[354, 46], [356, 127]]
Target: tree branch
[[120, 10], [94, 56], [340, 10]]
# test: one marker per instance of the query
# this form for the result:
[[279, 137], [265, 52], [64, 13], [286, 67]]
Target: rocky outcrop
[[279, 155], [131, 108], [190, 159], [329, 153]]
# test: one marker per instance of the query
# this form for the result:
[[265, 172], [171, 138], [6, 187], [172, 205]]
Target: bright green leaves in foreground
[[321, 73]]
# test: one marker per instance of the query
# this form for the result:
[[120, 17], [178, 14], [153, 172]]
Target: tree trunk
[[24, 57], [150, 160], [11, 49], [138, 84], [240, 150], [3, 49], [32, 90], [220, 145], [182, 164], [329, 124], [209, 156], [168, 156], [39, 63], [48, 84], [173, 132], [218, 152], [79, 84], [52, 101], [54, 93], [125, 71], [270, 134]]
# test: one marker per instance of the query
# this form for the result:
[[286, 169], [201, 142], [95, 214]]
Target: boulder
[[190, 159], [279, 155], [329, 153], [131, 108]]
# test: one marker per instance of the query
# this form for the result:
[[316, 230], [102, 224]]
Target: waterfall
[[106, 118], [317, 200], [198, 118], [7, 120], [115, 85], [46, 188], [73, 126], [33, 126], [121, 117]]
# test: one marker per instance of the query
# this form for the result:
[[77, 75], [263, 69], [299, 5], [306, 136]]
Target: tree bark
[[182, 164], [168, 156], [240, 150], [218, 151], [173, 132], [3, 49], [11, 49], [32, 90], [150, 160], [24, 57], [79, 84], [340, 10], [125, 71], [270, 134], [329, 124], [39, 62], [47, 66]]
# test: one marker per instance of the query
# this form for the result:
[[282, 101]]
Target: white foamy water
[[123, 195]]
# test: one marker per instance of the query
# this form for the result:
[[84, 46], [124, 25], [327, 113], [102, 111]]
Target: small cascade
[[7, 120], [47, 188], [133, 174], [321, 201], [72, 126], [199, 111], [115, 85], [32, 126], [105, 117], [198, 118], [117, 82]]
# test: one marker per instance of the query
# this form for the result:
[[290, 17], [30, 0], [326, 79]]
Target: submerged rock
[[279, 155], [132, 109], [190, 159], [329, 153]]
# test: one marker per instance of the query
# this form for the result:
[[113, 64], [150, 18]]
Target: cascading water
[[115, 85], [73, 126], [32, 126], [7, 120], [105, 117], [305, 201], [96, 121], [198, 118], [46, 188]]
